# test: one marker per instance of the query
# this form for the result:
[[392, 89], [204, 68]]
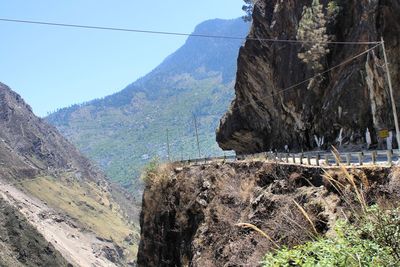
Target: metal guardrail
[[314, 158]]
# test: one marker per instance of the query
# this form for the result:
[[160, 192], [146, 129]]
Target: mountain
[[342, 102], [124, 131], [31, 146], [47, 185]]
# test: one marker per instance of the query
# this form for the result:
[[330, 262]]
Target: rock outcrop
[[29, 145], [347, 99]]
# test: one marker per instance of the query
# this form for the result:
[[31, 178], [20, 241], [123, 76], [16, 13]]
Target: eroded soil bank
[[190, 215]]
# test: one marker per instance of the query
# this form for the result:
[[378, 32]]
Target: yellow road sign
[[383, 133]]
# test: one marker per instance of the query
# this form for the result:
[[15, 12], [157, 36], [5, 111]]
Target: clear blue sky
[[55, 67]]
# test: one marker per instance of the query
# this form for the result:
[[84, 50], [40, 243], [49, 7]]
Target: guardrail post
[[318, 158], [308, 160], [360, 158], [389, 157], [348, 158], [373, 155], [294, 158], [327, 160], [301, 159], [280, 157], [287, 157]]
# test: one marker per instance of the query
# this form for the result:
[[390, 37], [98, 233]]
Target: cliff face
[[352, 97], [190, 215]]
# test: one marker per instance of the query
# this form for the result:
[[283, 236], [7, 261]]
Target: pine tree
[[312, 27]]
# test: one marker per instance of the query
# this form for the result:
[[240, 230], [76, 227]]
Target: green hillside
[[124, 131]]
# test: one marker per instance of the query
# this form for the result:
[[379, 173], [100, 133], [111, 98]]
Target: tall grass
[[371, 237]]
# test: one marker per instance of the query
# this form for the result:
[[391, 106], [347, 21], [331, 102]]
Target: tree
[[312, 27], [248, 9]]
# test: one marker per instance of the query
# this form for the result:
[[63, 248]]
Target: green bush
[[374, 242], [150, 170], [333, 9], [383, 226]]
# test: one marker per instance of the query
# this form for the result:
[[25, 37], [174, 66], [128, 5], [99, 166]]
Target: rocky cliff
[[28, 145], [192, 216], [350, 98]]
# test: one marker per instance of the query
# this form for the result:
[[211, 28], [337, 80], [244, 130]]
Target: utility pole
[[396, 120], [169, 155], [197, 134]]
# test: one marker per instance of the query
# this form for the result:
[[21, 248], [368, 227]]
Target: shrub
[[156, 173], [333, 10], [348, 248], [383, 226], [373, 240]]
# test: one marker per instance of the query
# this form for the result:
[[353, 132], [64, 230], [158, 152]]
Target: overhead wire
[[309, 79], [202, 135], [272, 40], [376, 43], [297, 84]]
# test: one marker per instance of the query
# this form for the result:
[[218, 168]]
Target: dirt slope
[[21, 244], [78, 245], [190, 214]]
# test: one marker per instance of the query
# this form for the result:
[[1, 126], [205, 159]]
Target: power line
[[309, 79], [180, 33], [193, 138]]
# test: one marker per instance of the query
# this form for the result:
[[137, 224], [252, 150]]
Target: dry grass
[[90, 205], [258, 230], [351, 180], [306, 216], [156, 174]]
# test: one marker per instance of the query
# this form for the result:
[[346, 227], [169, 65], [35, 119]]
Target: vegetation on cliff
[[372, 241]]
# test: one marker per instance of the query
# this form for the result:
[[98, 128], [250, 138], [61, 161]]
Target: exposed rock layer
[[352, 97], [190, 216]]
